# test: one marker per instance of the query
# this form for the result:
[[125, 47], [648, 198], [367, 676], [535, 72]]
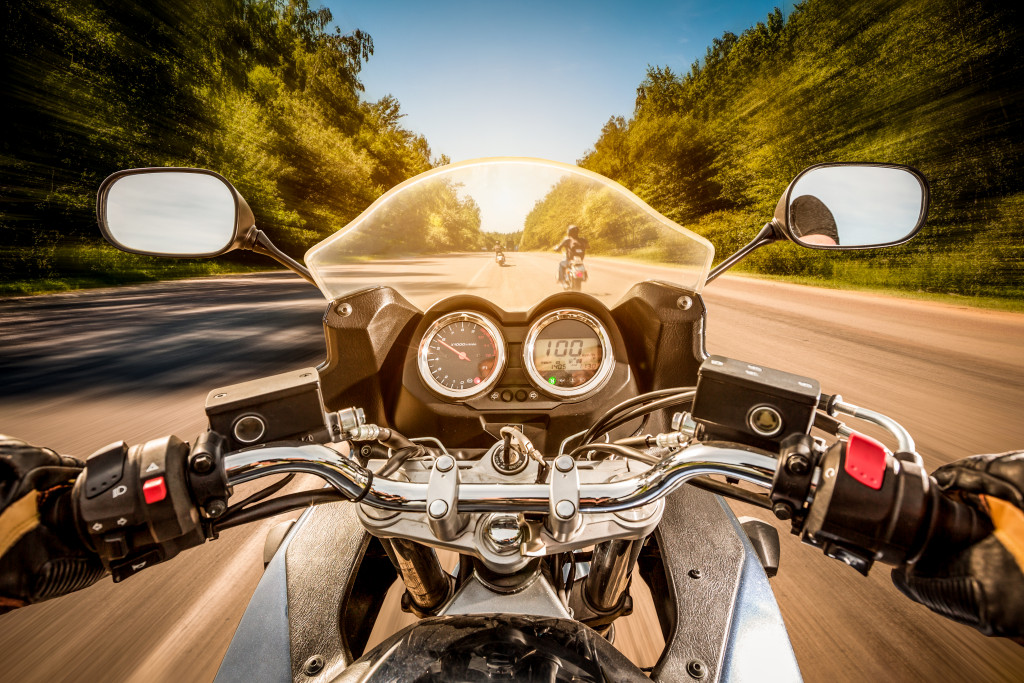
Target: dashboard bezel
[[500, 362], [600, 378]]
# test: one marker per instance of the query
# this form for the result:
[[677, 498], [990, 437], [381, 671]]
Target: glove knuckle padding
[[981, 585], [955, 597], [65, 575], [41, 554], [1000, 475]]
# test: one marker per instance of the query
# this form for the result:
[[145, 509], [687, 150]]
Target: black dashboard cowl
[[372, 336], [663, 327], [362, 329]]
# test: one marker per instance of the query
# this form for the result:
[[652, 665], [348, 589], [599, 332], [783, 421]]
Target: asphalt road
[[80, 370]]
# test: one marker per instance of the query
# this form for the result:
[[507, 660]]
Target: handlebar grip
[[954, 525]]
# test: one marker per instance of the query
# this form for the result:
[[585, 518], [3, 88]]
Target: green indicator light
[[551, 380]]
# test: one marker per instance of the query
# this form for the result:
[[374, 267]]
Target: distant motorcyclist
[[813, 222], [43, 556], [575, 248], [498, 248]]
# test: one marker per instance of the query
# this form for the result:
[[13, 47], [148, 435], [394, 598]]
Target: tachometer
[[461, 355], [568, 353]]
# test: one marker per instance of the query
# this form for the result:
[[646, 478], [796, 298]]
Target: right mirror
[[854, 206]]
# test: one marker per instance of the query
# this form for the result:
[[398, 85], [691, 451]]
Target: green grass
[[92, 266]]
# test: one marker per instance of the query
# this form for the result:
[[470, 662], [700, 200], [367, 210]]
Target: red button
[[865, 461], [154, 490]]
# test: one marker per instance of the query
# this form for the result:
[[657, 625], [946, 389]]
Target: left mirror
[[183, 212]]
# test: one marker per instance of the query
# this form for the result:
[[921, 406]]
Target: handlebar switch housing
[[863, 513], [147, 516], [750, 404]]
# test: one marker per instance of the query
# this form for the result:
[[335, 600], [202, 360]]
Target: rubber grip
[[955, 526]]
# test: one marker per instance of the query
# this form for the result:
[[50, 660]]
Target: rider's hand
[[981, 585], [41, 553]]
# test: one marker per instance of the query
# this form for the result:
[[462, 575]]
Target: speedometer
[[461, 355], [568, 353]]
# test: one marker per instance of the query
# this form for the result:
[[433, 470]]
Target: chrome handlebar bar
[[358, 483]]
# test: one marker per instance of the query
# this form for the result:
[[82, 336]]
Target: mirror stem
[[767, 235], [258, 242]]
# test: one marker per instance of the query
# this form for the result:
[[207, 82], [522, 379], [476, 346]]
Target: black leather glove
[[42, 555], [981, 585]]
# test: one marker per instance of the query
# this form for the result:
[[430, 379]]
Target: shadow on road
[[156, 337]]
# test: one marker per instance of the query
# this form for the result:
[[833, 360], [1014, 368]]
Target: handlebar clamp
[[207, 479]]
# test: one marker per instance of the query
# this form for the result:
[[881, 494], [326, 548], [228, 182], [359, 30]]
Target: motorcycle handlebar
[[902, 520], [896, 524], [358, 483]]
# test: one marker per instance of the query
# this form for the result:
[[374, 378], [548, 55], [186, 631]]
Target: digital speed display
[[578, 357], [568, 353]]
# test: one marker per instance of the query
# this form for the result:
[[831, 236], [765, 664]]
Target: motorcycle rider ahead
[[575, 247]]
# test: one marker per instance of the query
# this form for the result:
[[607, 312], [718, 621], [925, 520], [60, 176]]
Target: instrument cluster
[[566, 355]]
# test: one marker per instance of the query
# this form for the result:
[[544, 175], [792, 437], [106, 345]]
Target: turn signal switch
[[135, 505]]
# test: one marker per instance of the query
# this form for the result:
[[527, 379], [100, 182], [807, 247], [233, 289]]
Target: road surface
[[83, 369]]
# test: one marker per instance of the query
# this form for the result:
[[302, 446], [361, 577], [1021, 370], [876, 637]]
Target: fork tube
[[428, 585], [610, 570]]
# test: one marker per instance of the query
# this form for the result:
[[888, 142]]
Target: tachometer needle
[[458, 353]]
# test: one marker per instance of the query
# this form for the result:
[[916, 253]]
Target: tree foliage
[[930, 83], [428, 218], [262, 91]]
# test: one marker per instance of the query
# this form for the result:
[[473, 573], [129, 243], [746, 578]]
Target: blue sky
[[528, 78]]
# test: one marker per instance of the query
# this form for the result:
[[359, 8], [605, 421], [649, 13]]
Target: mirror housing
[[844, 206], [177, 212]]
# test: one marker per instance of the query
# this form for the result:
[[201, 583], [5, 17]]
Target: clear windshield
[[440, 234]]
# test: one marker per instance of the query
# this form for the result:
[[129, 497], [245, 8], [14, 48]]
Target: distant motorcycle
[[499, 258], [574, 275]]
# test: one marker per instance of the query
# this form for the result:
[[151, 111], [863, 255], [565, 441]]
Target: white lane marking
[[476, 276]]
